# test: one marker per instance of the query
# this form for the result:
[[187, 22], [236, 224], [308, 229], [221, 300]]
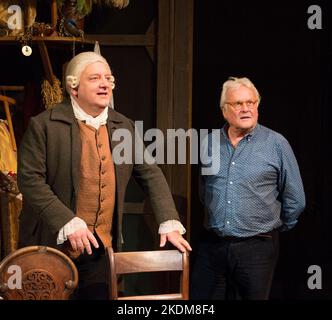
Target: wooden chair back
[[149, 261]]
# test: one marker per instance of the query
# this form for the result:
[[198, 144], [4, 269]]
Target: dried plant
[[84, 7]]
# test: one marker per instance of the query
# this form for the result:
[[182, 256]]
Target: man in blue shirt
[[252, 191]]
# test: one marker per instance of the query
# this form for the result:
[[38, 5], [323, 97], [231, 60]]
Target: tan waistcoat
[[96, 196]]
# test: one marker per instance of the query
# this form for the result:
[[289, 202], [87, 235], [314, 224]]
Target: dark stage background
[[270, 43]]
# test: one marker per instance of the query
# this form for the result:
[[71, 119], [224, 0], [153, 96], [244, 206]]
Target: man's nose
[[244, 106], [104, 83]]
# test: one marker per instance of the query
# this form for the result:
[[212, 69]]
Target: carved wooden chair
[[149, 261], [37, 273]]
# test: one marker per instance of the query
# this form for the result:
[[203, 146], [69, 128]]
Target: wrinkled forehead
[[240, 92]]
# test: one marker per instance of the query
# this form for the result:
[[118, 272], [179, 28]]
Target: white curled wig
[[78, 64]]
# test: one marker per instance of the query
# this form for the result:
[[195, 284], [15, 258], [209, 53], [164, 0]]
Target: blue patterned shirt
[[253, 188]]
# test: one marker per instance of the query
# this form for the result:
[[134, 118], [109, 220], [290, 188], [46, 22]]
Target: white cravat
[[81, 115]]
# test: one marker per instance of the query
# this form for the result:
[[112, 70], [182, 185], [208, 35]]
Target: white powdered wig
[[78, 64]]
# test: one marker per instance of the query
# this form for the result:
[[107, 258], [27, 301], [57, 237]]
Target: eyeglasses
[[237, 105]]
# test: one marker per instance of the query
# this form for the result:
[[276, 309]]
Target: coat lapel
[[76, 154], [64, 112], [115, 122]]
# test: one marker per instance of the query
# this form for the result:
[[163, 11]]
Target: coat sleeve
[[32, 180]]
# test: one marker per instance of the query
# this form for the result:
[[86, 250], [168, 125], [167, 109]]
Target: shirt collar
[[249, 135], [81, 115]]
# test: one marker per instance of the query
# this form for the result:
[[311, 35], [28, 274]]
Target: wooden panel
[[183, 41], [165, 61], [174, 89], [122, 40], [148, 261]]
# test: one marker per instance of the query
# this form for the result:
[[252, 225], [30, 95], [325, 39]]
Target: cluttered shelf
[[147, 39], [14, 39]]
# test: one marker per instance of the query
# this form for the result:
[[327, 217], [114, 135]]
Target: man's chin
[[102, 105], [246, 128], [247, 124]]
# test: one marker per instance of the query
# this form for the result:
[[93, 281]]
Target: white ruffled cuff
[[171, 225], [72, 226]]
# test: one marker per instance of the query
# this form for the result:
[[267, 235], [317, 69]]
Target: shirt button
[[233, 163], [228, 201], [227, 222], [231, 182]]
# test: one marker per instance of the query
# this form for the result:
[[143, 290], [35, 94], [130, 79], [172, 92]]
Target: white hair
[[234, 83], [77, 65]]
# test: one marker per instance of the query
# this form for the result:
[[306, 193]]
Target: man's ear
[[74, 92], [222, 111]]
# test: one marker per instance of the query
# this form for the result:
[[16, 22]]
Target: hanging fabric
[[8, 160]]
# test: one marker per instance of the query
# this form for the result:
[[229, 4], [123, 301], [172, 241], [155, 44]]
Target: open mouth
[[245, 118], [102, 94]]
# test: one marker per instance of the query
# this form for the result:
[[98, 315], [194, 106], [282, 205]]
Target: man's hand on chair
[[81, 239], [176, 239]]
